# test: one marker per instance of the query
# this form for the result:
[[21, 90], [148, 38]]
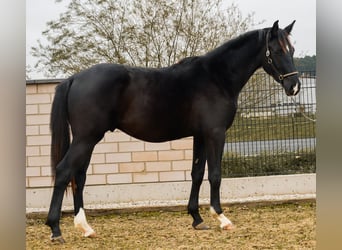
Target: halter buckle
[[268, 53], [269, 59]]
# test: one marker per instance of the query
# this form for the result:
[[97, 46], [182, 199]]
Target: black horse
[[195, 97]]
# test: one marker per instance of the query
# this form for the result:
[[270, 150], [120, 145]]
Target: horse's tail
[[59, 126]]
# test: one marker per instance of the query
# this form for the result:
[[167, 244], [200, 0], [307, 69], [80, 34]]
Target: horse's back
[[135, 100]]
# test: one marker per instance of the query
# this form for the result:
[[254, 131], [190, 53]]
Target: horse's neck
[[247, 64], [234, 66]]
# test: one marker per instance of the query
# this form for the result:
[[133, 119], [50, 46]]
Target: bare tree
[[137, 32]]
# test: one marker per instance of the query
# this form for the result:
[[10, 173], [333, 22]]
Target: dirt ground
[[272, 226]]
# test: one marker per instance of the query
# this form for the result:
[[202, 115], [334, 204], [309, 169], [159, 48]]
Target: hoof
[[226, 224], [81, 223], [88, 232], [58, 239], [228, 227], [201, 226]]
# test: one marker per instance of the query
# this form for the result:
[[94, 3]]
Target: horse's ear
[[289, 28], [274, 29]]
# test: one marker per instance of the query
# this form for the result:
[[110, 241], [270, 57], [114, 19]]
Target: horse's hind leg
[[197, 173], [80, 220], [62, 179], [76, 158]]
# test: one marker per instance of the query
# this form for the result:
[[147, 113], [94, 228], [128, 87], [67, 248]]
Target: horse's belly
[[159, 129]]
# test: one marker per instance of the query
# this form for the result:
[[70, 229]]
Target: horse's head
[[278, 58]]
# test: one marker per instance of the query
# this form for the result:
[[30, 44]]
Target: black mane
[[236, 43]]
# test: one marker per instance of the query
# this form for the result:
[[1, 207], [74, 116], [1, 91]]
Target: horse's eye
[[279, 52]]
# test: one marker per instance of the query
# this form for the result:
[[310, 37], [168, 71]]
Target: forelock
[[284, 41]]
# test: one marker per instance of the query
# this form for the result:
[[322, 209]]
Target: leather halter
[[281, 77]]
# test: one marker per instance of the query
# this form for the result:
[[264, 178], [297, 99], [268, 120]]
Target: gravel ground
[[272, 226]]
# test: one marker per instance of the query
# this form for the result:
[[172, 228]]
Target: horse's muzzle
[[292, 89]]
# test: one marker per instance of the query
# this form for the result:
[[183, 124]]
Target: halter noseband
[[281, 77]]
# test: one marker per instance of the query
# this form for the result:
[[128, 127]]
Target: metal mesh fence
[[272, 133]]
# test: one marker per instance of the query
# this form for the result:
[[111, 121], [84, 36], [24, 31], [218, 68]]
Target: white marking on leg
[[225, 222], [80, 221]]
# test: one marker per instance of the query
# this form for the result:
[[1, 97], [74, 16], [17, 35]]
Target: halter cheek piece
[[281, 77]]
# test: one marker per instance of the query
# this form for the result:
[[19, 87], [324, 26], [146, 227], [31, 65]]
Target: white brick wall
[[117, 159]]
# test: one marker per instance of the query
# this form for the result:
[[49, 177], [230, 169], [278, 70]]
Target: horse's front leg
[[197, 173], [214, 156]]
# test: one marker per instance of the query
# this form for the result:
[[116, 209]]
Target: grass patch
[[270, 128], [234, 165]]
